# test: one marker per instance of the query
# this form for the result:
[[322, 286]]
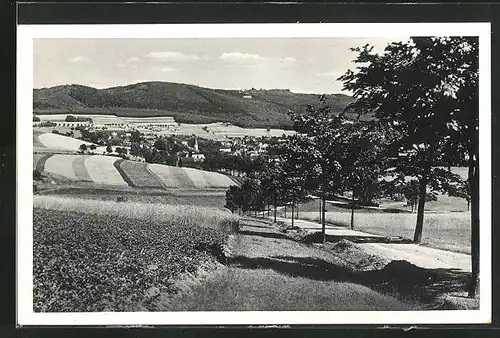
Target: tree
[[83, 148], [109, 150], [320, 151], [294, 179], [233, 198], [362, 152], [36, 118], [426, 89], [271, 178], [160, 145], [136, 137], [93, 147], [70, 118]]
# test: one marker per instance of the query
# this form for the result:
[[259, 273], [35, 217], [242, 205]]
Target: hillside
[[110, 171], [187, 103]]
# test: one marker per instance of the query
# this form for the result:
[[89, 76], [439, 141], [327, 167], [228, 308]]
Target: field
[[447, 231], [97, 256], [57, 142], [113, 171]]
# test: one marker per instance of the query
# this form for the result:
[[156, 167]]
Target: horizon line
[[190, 84]]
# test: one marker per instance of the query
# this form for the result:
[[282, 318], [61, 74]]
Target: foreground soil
[[266, 271]]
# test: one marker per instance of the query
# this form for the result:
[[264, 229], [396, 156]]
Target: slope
[[187, 103]]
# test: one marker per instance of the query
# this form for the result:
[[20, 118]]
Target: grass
[[447, 231], [154, 212], [269, 272], [235, 289], [208, 200], [110, 256]]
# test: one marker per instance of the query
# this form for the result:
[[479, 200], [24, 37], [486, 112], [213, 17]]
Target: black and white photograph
[[254, 174]]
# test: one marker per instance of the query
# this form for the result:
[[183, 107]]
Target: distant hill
[[187, 103]]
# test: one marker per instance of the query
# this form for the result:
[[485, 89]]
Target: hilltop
[[187, 103]]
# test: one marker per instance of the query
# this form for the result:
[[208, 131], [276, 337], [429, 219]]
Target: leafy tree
[[83, 148], [36, 118], [427, 90], [271, 179], [109, 150], [384, 85], [135, 149], [160, 145], [70, 118], [295, 178], [363, 157], [93, 147], [136, 137], [319, 151], [461, 190]]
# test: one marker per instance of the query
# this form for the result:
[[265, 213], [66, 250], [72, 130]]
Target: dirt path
[[422, 256], [267, 271]]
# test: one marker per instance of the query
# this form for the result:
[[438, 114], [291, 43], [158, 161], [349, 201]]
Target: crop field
[[196, 176], [98, 256], [80, 169], [102, 170], [60, 142], [447, 231], [217, 180], [139, 174], [172, 177], [113, 171], [61, 165]]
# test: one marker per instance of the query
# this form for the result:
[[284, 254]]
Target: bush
[[121, 199]]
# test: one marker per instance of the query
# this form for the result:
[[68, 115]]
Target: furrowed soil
[[266, 271]]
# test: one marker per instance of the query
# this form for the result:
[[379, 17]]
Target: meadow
[[93, 255], [444, 230]]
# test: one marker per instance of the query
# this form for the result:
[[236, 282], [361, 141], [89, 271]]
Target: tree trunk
[[285, 210], [320, 210], [268, 209], [292, 213], [323, 226], [275, 207], [297, 215], [352, 211], [474, 189], [417, 238]]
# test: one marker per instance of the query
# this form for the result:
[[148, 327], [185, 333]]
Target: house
[[198, 157]]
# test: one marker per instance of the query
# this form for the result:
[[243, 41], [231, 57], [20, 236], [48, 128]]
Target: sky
[[303, 65]]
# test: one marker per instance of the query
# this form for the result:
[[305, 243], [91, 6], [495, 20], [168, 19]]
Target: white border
[[25, 36]]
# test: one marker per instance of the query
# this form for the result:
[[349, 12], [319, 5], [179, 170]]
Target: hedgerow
[[94, 262]]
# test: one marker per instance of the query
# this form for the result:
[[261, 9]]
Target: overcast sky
[[305, 65]]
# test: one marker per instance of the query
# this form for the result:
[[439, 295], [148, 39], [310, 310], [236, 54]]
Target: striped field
[[114, 171]]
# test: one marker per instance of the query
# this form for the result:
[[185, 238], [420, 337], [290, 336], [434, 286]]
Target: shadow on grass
[[399, 278], [263, 234]]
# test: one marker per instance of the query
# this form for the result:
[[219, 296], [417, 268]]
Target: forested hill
[[187, 103]]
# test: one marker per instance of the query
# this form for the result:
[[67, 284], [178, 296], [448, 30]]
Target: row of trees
[[423, 97]]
